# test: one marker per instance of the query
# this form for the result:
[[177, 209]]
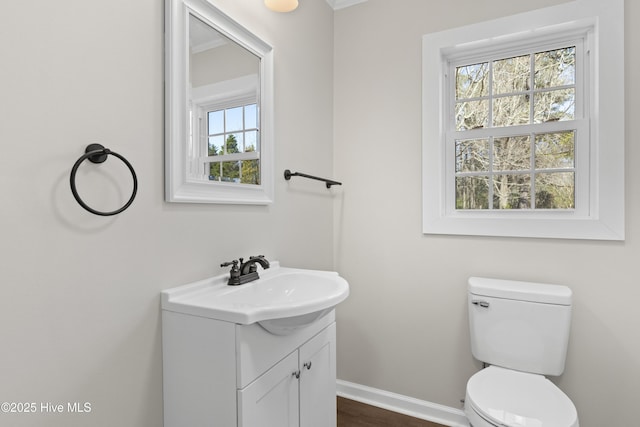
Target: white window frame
[[599, 212]]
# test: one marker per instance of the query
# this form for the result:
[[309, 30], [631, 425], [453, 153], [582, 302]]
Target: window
[[514, 124], [516, 139], [232, 144]]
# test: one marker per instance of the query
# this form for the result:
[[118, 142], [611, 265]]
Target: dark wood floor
[[356, 414]]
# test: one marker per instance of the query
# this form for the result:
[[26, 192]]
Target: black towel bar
[[288, 174]]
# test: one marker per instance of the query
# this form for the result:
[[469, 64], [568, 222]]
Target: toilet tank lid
[[521, 291]]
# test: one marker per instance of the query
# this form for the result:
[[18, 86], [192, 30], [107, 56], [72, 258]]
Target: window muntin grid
[[233, 144], [514, 129]]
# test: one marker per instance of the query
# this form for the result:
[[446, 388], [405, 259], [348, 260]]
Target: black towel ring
[[96, 153]]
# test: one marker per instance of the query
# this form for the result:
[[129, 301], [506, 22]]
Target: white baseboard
[[416, 408]]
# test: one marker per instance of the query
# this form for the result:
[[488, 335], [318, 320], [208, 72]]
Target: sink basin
[[281, 301]]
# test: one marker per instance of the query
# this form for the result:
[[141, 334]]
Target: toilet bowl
[[507, 398]]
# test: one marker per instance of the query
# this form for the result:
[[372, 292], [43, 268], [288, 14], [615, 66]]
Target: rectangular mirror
[[219, 108]]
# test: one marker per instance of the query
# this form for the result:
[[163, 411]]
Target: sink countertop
[[280, 292]]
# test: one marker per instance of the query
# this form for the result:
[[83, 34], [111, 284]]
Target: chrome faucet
[[245, 272]]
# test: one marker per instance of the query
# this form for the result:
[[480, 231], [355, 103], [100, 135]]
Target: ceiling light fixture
[[281, 5]]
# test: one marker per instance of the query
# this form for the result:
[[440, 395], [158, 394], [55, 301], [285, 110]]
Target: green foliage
[[251, 169], [243, 171]]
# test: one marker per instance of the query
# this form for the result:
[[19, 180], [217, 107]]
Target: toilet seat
[[508, 398]]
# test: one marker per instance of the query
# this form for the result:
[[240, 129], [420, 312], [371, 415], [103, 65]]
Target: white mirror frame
[[178, 186]]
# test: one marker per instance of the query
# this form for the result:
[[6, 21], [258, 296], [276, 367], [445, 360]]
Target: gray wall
[[404, 327], [79, 305]]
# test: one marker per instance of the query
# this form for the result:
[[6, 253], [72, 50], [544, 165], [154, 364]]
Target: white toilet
[[521, 330]]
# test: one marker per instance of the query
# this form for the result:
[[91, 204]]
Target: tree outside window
[[521, 162], [232, 131]]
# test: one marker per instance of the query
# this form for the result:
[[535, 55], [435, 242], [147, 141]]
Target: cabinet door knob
[[296, 374], [307, 365]]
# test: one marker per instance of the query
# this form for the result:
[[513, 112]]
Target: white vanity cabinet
[[298, 391], [221, 374]]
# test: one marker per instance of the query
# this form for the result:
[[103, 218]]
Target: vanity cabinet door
[[272, 399], [318, 380]]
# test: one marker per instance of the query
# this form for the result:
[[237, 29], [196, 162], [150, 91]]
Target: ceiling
[[341, 4]]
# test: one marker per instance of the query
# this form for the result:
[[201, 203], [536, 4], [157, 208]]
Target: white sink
[[281, 301]]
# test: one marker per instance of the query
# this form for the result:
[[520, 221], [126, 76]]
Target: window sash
[[486, 55], [201, 163], [580, 124], [581, 166]]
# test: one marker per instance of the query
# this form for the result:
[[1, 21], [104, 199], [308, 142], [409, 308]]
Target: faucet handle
[[234, 274], [234, 268]]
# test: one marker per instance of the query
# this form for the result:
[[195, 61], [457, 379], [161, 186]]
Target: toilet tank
[[519, 325]]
